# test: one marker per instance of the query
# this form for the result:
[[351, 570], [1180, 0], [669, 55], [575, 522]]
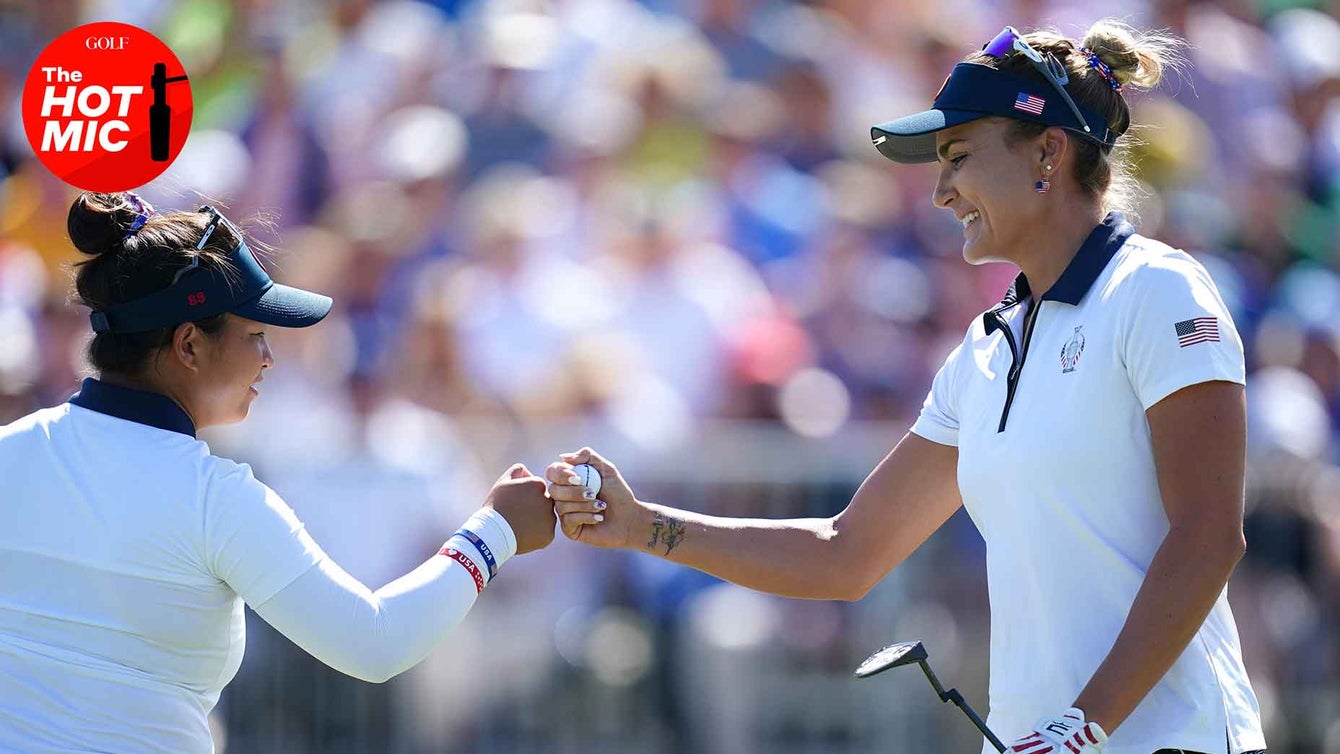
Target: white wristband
[[490, 526]]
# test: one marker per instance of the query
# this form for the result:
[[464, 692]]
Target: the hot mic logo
[[107, 107]]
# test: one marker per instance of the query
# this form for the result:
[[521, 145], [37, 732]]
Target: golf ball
[[589, 476]]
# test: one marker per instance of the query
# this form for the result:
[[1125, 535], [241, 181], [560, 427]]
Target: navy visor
[[975, 91], [197, 292]]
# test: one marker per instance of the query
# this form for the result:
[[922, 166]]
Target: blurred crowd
[[660, 226]]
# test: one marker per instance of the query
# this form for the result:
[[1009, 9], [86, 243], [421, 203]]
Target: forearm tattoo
[[666, 530], [657, 524]]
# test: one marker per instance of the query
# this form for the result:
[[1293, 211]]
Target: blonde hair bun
[[1137, 58]]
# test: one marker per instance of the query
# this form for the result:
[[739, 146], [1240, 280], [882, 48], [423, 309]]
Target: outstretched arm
[[904, 500], [372, 636], [258, 544]]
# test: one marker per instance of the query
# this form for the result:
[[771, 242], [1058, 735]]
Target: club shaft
[[952, 695]]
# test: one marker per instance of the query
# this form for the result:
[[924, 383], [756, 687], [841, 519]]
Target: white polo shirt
[[126, 552], [1056, 468]]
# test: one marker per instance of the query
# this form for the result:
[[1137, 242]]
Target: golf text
[[107, 43], [91, 103]]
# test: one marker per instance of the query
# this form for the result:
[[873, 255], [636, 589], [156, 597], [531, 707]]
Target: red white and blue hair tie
[[143, 211], [1103, 69]]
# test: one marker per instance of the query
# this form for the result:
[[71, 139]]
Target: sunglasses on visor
[[215, 217], [1008, 42]]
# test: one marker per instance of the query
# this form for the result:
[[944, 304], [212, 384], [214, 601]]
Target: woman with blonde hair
[[1092, 422]]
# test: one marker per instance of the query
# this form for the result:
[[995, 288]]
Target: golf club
[[908, 652]]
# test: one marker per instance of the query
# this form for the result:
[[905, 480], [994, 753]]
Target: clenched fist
[[520, 497]]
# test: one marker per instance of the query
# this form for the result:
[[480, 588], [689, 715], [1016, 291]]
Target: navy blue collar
[[153, 409], [1088, 263]]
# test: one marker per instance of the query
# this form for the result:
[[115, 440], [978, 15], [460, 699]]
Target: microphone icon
[[160, 114]]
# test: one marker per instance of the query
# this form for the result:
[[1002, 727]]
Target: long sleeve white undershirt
[[374, 636]]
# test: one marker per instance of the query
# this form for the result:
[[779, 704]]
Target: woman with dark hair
[[127, 549], [1092, 423]]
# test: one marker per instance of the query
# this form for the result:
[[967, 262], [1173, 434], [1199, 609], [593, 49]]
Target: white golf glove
[[1067, 734]]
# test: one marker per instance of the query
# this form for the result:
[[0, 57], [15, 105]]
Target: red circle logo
[[107, 107]]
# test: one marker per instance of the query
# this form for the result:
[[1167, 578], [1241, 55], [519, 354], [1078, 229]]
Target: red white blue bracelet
[[483, 548], [469, 564]]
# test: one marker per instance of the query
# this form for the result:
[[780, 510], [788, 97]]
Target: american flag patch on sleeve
[[1198, 330]]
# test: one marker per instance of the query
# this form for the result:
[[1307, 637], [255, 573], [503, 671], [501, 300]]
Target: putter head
[[892, 656]]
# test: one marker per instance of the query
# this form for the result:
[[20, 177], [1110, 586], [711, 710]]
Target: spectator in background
[[289, 163]]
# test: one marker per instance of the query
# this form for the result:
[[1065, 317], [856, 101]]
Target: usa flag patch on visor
[[1029, 103]]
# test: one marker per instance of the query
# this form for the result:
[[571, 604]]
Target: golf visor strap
[[203, 293], [974, 91], [198, 292]]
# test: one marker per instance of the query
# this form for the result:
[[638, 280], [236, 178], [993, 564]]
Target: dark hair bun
[[98, 223]]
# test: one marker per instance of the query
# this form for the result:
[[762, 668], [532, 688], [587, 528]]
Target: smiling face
[[987, 182], [231, 363]]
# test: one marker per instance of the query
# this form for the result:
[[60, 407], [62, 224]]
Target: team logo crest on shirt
[[1071, 350]]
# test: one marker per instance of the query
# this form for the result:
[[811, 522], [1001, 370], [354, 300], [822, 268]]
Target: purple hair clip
[[1103, 69], [143, 211]]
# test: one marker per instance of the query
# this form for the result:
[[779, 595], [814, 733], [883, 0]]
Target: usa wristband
[[484, 550], [469, 564]]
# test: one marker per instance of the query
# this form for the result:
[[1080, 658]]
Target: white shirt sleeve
[[371, 636], [254, 541], [1178, 331], [938, 421]]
